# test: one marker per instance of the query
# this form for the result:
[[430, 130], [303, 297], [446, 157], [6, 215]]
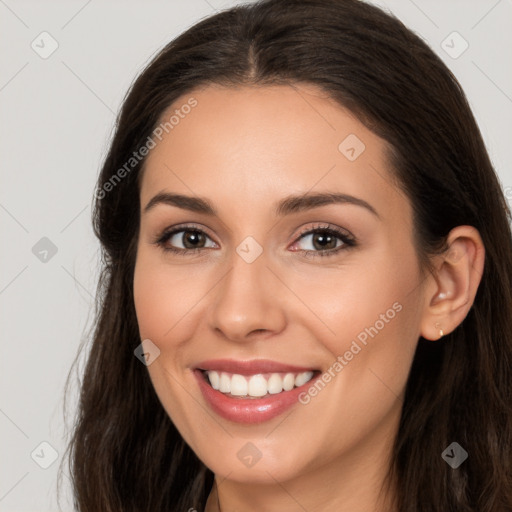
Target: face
[[297, 262]]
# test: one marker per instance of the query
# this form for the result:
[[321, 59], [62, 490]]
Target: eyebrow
[[287, 206]]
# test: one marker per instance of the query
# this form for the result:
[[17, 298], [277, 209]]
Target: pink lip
[[250, 410], [250, 367]]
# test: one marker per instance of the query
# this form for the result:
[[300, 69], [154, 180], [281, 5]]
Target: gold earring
[[441, 333]]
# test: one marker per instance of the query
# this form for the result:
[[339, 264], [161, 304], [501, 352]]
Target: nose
[[248, 301]]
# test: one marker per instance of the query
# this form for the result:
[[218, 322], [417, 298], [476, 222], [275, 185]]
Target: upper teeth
[[256, 385]]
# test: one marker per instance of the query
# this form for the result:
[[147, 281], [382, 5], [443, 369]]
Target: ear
[[451, 289]]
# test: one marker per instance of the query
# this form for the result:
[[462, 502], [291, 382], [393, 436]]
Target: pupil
[[323, 240], [192, 237]]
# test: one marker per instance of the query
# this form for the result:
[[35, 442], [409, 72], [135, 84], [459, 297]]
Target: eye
[[323, 240], [184, 240]]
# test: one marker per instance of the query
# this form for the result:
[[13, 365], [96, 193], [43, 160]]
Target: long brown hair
[[125, 453]]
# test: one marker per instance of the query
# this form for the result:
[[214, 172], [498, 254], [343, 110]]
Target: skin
[[245, 149]]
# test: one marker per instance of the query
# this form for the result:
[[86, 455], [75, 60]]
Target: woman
[[306, 295]]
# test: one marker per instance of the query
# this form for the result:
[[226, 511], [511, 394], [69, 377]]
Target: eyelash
[[348, 240]]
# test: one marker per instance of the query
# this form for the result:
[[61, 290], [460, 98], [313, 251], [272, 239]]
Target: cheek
[[163, 295], [368, 319], [150, 298], [350, 301], [374, 315]]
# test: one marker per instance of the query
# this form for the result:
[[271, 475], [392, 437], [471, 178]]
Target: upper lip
[[252, 367]]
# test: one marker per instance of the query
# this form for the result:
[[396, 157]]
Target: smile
[[254, 386], [251, 392]]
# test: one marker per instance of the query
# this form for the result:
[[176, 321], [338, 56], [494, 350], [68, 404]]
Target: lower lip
[[249, 410]]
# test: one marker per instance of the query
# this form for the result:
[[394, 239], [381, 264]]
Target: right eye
[[184, 240]]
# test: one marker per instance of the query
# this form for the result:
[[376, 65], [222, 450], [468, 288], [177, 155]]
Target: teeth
[[239, 385], [214, 379], [225, 383], [288, 381], [275, 384], [302, 378], [256, 385]]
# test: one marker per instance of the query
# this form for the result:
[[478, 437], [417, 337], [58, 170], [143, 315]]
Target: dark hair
[[125, 453]]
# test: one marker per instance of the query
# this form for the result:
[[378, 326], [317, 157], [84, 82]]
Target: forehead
[[247, 145]]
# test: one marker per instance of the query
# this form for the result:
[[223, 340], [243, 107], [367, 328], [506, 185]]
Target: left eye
[[322, 240]]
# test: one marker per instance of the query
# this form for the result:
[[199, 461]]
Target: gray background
[[57, 114]]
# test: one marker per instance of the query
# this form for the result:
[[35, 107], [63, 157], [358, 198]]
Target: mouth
[[260, 385], [252, 391]]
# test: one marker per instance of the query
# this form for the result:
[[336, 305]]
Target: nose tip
[[246, 304]]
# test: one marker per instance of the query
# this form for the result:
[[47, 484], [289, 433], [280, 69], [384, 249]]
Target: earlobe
[[454, 283]]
